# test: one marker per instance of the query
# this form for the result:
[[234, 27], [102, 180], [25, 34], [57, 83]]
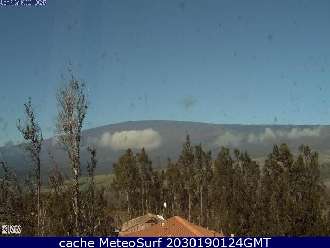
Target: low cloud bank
[[294, 133], [230, 138], [147, 138]]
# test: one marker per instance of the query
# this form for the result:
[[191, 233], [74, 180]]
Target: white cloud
[[267, 135], [105, 139], [229, 139], [305, 132], [293, 133], [147, 138]]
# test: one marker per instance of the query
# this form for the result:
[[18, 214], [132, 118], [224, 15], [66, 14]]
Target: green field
[[104, 180]]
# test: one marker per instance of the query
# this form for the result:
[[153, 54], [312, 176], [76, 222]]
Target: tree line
[[230, 192]]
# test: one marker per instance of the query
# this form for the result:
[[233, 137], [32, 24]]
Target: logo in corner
[[11, 229], [23, 3]]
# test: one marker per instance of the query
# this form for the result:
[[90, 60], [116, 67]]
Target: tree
[[203, 175], [72, 109], [175, 187], [32, 133], [307, 194], [276, 191], [186, 164], [252, 175], [246, 185], [222, 191], [145, 179], [58, 205], [125, 179], [91, 201], [157, 192]]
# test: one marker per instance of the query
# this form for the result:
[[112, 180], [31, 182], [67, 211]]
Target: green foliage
[[126, 181], [231, 193], [293, 196]]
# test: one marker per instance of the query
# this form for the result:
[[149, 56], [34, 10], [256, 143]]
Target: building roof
[[148, 218], [174, 227]]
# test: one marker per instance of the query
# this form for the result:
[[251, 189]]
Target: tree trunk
[[201, 207], [128, 205], [142, 199], [173, 204], [146, 199], [38, 194], [92, 215], [76, 200], [189, 206], [208, 208]]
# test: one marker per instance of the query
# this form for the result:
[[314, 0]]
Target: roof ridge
[[186, 224]]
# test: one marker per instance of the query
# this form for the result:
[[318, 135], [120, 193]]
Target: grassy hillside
[[258, 140], [100, 181], [103, 180]]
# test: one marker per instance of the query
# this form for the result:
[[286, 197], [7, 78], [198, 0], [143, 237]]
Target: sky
[[246, 62]]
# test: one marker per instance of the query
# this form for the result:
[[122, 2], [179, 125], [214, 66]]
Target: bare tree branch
[[32, 133], [72, 109]]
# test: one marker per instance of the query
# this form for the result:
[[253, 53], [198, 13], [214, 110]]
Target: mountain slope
[[164, 139]]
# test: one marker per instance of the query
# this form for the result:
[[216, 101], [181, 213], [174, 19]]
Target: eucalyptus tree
[[32, 134], [72, 110]]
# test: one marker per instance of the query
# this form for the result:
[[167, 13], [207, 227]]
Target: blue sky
[[249, 62]]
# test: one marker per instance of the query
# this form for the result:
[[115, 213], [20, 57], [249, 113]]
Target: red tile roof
[[141, 222], [174, 227]]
